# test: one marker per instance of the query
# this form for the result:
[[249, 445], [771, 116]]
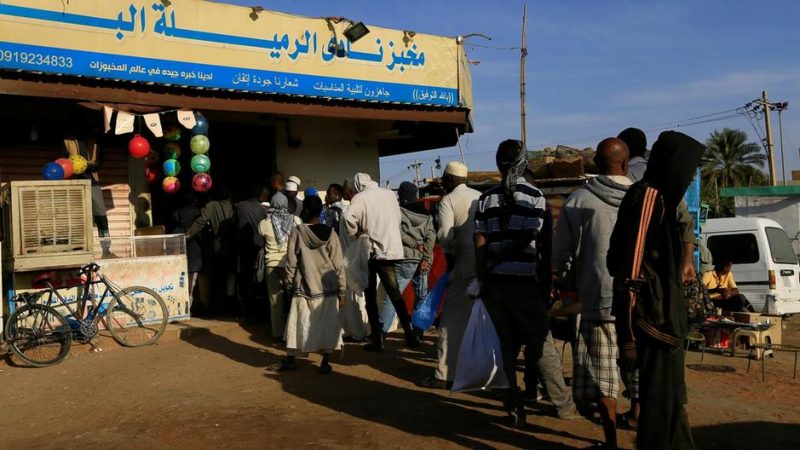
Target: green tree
[[731, 161]]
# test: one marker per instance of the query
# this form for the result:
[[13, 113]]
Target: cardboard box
[[743, 317]]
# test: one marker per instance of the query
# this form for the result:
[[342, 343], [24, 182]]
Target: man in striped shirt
[[508, 220]]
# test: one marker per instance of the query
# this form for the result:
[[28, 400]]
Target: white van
[[765, 266]]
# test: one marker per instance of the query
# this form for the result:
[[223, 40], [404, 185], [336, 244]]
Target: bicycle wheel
[[38, 335], [136, 317]]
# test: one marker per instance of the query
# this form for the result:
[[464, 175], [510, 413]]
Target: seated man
[[722, 288]]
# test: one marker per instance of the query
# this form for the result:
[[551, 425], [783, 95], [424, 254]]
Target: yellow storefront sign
[[209, 45]]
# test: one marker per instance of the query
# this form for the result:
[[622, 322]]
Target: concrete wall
[[784, 210], [324, 151]]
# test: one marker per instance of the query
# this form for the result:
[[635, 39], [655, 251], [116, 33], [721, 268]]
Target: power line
[[747, 111], [396, 175], [491, 47]]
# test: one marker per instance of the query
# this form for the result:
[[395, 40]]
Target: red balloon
[[66, 165], [151, 174], [138, 147], [201, 182]]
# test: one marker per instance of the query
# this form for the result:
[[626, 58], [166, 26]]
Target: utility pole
[[460, 150], [780, 107], [770, 150], [523, 54], [416, 167]]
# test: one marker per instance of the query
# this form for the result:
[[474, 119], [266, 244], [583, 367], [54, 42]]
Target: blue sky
[[595, 68]]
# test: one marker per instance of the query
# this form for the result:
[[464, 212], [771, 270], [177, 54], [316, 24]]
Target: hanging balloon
[[201, 182], [53, 171], [201, 124], [138, 147], [171, 185], [152, 158], [172, 150], [79, 164], [151, 174], [200, 163], [172, 167], [199, 144], [173, 133], [66, 165]]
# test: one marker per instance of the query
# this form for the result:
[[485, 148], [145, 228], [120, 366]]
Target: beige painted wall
[[330, 150]]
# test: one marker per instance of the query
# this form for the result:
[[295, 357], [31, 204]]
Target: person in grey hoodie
[[582, 239], [419, 237], [315, 268], [374, 212]]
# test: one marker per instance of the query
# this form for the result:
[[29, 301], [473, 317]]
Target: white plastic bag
[[480, 359], [356, 264], [353, 316]]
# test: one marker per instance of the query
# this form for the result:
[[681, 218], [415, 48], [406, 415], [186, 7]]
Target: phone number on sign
[[36, 59]]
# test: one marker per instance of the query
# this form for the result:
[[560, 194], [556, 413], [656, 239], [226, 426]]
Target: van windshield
[[780, 247]]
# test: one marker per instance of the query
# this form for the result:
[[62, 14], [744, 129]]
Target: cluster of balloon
[[201, 181], [63, 168], [171, 166]]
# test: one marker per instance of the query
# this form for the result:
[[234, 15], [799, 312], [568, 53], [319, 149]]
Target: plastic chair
[[694, 336], [754, 337]]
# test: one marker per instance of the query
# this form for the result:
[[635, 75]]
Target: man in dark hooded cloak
[[646, 260]]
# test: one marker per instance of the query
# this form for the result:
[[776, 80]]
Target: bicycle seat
[[89, 268], [41, 281]]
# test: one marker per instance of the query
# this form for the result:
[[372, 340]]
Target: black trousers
[[384, 269], [663, 422], [737, 303], [520, 317]]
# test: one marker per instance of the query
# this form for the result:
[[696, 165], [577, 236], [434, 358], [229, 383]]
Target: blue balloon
[[201, 124], [53, 171]]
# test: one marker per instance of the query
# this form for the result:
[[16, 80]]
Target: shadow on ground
[[748, 435]]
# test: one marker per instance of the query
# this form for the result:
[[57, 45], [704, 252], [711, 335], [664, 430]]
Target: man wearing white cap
[[455, 235], [295, 204]]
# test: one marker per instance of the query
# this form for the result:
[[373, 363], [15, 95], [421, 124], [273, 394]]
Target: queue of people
[[623, 242]]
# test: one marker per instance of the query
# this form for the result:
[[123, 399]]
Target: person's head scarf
[[362, 181], [282, 220], [673, 162], [512, 160]]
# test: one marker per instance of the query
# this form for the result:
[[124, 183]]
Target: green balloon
[[199, 144], [172, 150], [200, 163]]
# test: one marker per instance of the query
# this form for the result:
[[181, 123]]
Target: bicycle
[[40, 335]]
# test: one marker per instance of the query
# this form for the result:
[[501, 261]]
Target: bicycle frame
[[87, 296]]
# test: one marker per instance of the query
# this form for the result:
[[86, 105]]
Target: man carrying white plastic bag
[[509, 219], [480, 362]]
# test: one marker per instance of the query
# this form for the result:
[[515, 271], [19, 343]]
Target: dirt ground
[[205, 386]]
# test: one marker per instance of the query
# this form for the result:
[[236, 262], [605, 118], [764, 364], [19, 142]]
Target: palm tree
[[732, 161]]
